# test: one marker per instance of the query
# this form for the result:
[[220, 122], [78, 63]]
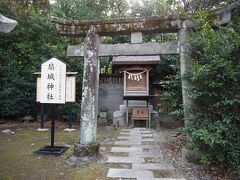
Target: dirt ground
[[17, 160]]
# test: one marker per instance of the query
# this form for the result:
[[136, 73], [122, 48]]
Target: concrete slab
[[154, 166], [146, 135], [125, 133], [127, 143], [130, 173], [123, 149], [146, 147], [168, 179], [125, 130], [145, 132], [145, 154], [141, 140], [69, 130], [42, 129], [129, 137], [125, 160], [140, 128]]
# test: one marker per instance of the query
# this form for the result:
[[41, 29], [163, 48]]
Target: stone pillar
[[185, 64], [185, 67], [89, 108]]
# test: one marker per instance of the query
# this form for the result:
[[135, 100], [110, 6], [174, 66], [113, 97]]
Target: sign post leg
[[53, 124], [70, 116], [42, 115]]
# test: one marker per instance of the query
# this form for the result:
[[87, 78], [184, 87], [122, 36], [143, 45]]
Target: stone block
[[145, 154], [127, 150], [119, 119], [125, 160], [86, 150], [130, 173], [154, 166], [127, 143]]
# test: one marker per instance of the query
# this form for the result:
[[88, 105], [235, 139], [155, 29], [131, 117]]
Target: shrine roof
[[136, 60]]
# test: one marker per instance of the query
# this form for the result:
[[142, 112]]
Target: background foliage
[[214, 124], [22, 51]]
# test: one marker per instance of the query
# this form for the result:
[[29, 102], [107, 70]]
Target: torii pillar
[[89, 106]]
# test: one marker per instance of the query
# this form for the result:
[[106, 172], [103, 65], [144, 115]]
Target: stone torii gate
[[92, 29]]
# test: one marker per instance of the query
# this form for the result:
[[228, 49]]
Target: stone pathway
[[138, 144]]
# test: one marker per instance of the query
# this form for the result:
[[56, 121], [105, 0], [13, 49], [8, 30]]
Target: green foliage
[[171, 98], [21, 52], [214, 122], [83, 9]]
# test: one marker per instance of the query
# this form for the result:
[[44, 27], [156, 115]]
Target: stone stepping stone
[[141, 140], [128, 138], [130, 173], [154, 166], [127, 143], [145, 154], [168, 179], [147, 135], [124, 133], [145, 132], [127, 150], [125, 130], [125, 160], [140, 128], [145, 146]]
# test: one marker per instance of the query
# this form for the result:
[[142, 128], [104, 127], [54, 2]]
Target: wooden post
[[127, 114], [149, 114], [90, 89]]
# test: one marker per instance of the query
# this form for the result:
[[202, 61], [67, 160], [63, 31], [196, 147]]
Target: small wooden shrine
[[136, 84], [136, 73]]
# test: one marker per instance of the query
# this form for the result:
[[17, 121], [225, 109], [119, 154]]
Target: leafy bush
[[21, 52], [214, 124], [171, 97]]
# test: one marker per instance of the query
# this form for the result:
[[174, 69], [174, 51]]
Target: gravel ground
[[171, 142]]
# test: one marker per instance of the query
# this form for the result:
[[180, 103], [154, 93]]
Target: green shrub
[[214, 123]]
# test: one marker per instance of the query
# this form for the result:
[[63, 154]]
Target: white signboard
[[53, 82], [70, 89]]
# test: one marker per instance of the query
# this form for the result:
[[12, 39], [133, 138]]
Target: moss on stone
[[86, 150]]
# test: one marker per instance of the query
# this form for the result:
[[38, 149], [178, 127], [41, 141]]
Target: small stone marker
[[7, 131], [68, 130], [42, 129]]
